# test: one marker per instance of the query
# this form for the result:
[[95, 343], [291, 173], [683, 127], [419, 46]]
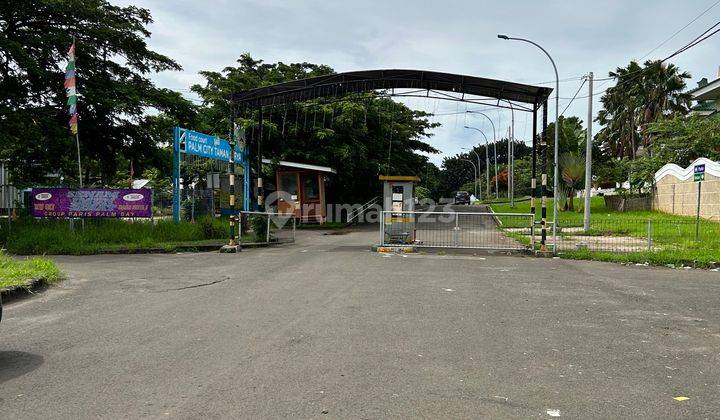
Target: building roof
[[399, 178], [139, 183], [301, 166], [367, 80], [709, 91]]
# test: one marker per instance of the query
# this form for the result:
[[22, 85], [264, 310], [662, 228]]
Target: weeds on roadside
[[49, 236], [16, 272]]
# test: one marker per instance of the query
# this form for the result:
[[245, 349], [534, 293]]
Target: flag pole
[[77, 142], [77, 135]]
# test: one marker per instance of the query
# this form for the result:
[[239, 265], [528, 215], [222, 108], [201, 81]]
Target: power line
[[658, 46], [694, 42], [569, 79], [637, 73], [682, 29], [574, 96]]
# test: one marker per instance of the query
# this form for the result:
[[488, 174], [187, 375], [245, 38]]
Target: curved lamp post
[[557, 132], [487, 159], [475, 171], [497, 189]]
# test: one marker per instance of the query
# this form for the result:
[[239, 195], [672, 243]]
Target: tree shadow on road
[[17, 363]]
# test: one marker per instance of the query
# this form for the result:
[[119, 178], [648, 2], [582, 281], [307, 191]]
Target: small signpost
[[699, 172], [699, 177]]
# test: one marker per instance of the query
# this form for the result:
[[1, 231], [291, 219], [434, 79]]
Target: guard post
[[398, 218]]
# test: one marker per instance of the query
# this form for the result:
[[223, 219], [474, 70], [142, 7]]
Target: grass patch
[[47, 236], [599, 213], [692, 258], [674, 237], [16, 272]]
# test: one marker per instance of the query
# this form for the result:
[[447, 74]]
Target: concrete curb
[[179, 248], [397, 249], [30, 287]]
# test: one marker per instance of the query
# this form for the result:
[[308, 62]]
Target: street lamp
[[557, 132], [497, 189], [475, 171], [511, 156], [487, 159]]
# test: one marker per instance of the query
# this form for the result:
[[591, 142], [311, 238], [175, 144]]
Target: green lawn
[[598, 212], [43, 236], [16, 272], [674, 237]]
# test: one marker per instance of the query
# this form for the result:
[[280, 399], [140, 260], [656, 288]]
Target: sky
[[448, 36]]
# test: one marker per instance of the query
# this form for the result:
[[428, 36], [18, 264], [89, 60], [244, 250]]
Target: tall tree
[[361, 135], [572, 172], [641, 96], [115, 93]]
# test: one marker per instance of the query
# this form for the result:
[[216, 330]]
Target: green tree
[[455, 172], [681, 140], [115, 93], [360, 135], [640, 97], [572, 172]]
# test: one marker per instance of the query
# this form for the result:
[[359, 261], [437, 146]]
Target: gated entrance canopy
[[419, 83], [362, 81]]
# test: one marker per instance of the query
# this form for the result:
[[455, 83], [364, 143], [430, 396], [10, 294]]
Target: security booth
[[398, 219], [300, 190]]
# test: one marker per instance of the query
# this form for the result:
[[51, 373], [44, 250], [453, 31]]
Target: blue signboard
[[200, 144], [193, 143]]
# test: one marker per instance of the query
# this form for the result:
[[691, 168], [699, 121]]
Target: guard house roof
[[362, 81], [399, 178], [301, 166]]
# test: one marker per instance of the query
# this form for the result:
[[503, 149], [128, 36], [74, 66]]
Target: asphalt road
[[326, 329]]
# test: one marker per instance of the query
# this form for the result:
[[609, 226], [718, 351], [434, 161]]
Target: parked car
[[462, 197]]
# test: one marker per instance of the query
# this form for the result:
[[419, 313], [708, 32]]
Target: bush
[[258, 224]]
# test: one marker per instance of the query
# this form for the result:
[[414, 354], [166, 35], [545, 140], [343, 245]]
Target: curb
[[30, 287], [176, 249], [397, 249]]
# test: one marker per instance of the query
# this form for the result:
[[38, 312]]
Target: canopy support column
[[533, 179], [260, 193], [543, 150]]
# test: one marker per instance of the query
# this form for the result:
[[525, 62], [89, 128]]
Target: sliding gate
[[472, 230]]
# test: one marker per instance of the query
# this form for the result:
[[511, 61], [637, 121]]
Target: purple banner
[[91, 202]]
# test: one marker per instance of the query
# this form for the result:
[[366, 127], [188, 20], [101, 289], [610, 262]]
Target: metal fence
[[639, 235], [495, 231], [266, 227]]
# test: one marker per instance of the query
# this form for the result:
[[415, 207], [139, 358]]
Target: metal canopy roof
[[368, 80]]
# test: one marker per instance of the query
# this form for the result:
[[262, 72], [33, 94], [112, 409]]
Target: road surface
[[327, 329]]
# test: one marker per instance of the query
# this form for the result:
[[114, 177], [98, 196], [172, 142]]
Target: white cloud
[[451, 36]]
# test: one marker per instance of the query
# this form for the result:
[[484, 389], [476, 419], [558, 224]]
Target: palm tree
[[642, 95], [572, 170], [663, 94]]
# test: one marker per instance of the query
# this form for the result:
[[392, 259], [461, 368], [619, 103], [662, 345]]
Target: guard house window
[[289, 184], [311, 189]]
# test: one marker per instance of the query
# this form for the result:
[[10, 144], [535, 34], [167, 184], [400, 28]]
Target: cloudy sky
[[450, 36]]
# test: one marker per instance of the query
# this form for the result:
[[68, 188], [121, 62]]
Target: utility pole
[[588, 154]]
